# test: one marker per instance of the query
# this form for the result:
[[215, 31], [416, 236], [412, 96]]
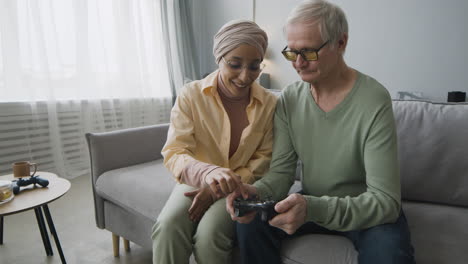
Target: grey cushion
[[142, 189], [438, 232], [296, 187], [433, 151], [318, 249], [125, 147]]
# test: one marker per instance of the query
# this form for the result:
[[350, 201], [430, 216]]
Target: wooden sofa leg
[[115, 244], [126, 244]]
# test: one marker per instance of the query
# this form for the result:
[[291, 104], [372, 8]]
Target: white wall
[[408, 45]]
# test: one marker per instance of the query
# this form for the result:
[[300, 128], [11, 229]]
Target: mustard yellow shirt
[[200, 131]]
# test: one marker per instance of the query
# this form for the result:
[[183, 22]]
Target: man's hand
[[246, 191], [203, 199], [223, 181], [292, 213]]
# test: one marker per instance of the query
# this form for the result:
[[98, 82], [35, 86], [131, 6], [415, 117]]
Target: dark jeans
[[388, 243]]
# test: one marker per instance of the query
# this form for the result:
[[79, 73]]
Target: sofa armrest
[[119, 149], [126, 147]]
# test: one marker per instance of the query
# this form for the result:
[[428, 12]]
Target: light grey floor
[[81, 240]]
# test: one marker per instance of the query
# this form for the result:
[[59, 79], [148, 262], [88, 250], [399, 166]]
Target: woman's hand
[[203, 198], [223, 181]]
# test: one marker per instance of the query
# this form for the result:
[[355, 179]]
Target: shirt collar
[[210, 86]]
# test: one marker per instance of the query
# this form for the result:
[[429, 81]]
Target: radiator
[[52, 134]]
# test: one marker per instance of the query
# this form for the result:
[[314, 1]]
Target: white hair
[[330, 18]]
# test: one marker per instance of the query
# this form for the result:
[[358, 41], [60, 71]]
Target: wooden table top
[[30, 197]]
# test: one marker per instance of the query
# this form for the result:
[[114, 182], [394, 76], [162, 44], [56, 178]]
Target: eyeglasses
[[237, 66], [307, 54]]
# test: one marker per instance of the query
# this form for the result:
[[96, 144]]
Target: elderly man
[[339, 123]]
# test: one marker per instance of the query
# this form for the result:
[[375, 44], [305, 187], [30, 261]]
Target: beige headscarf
[[237, 32]]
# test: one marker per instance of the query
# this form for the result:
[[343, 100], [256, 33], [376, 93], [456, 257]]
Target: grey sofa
[[131, 185]]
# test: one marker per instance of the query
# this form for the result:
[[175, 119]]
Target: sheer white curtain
[[72, 66], [180, 42]]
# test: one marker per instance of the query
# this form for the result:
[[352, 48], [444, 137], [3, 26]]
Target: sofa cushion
[[438, 232], [142, 189], [317, 248], [433, 151], [126, 147]]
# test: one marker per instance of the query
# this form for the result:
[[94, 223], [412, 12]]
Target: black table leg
[[1, 230], [54, 233], [42, 228]]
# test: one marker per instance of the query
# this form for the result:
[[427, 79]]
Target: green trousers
[[175, 237]]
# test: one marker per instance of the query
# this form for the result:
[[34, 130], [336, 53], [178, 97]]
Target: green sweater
[[350, 167]]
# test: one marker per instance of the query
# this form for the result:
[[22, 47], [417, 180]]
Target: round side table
[[37, 198]]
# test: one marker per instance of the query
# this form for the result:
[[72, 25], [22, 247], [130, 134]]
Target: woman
[[220, 135]]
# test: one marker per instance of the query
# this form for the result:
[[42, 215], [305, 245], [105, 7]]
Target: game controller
[[266, 208], [32, 180]]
